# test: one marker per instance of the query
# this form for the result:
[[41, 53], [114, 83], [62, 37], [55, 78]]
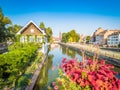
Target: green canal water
[[49, 70]]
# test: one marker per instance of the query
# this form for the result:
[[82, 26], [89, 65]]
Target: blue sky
[[85, 16]]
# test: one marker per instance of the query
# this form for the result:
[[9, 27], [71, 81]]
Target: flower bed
[[86, 75]]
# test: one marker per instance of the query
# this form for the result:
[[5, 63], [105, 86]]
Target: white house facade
[[113, 39]]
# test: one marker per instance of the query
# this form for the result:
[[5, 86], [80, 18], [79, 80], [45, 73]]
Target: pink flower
[[53, 68], [75, 76], [96, 74], [53, 83], [63, 60], [102, 62], [55, 87]]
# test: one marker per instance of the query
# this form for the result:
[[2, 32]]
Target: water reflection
[[64, 50], [69, 52], [43, 76], [49, 71]]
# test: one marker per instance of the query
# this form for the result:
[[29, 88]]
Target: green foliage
[[1, 15], [25, 78], [71, 36], [14, 28], [4, 32], [65, 37], [87, 39], [17, 38], [42, 26], [64, 83], [49, 34], [14, 63], [23, 81], [18, 45]]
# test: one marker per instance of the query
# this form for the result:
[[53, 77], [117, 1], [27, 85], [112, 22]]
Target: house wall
[[32, 38], [31, 30], [107, 34], [113, 40], [32, 33], [93, 38], [99, 40], [102, 39]]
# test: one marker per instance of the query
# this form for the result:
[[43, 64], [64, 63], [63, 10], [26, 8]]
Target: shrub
[[14, 63]]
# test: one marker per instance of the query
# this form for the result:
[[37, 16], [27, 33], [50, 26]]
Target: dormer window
[[32, 30]]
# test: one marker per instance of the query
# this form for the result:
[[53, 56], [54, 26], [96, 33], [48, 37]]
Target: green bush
[[14, 63]]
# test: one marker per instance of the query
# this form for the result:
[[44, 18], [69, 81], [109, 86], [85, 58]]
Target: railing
[[109, 56], [3, 47], [93, 49]]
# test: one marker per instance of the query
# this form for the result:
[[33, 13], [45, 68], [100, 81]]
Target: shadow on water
[[49, 70]]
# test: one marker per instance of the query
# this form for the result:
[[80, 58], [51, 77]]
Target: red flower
[[96, 74], [102, 62], [74, 77]]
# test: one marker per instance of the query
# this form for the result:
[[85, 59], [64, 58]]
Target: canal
[[49, 70]]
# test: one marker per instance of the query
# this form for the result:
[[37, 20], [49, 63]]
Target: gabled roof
[[115, 33], [22, 29]]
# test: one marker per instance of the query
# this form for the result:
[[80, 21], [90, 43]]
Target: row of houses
[[32, 33], [106, 37]]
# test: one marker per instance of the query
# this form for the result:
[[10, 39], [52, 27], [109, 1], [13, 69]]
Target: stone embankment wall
[[111, 60], [36, 74]]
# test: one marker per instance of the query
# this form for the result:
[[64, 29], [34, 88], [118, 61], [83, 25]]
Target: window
[[31, 39], [32, 30], [25, 38], [22, 39], [39, 38]]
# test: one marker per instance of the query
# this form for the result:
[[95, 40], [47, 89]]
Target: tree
[[65, 37], [42, 26], [77, 37], [71, 36], [87, 39], [4, 23], [49, 34], [14, 29]]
